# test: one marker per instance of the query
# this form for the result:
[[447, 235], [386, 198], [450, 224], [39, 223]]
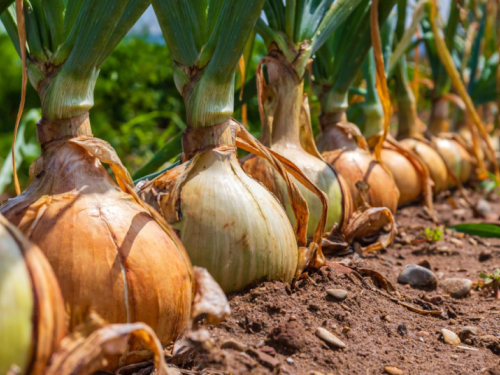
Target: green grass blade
[[279, 11], [401, 24], [42, 23], [314, 13], [170, 150], [152, 176], [272, 21], [54, 14], [478, 229], [299, 14]]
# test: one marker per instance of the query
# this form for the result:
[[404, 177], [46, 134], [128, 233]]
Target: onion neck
[[332, 137], [438, 122], [50, 130], [407, 118], [290, 91], [199, 139]]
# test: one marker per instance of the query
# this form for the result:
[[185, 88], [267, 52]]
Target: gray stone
[[329, 338], [339, 294], [450, 337], [467, 332], [455, 287], [417, 276]]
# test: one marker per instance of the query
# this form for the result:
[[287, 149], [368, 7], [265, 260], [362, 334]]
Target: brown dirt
[[274, 325]]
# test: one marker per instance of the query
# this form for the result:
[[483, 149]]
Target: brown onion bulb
[[32, 316], [108, 253], [435, 164], [407, 178], [456, 157], [357, 164]]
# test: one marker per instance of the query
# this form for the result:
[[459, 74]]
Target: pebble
[[289, 360], [329, 338], [173, 371], [391, 370], [233, 344], [345, 261], [402, 330], [339, 294], [423, 333], [467, 332], [485, 255], [450, 337], [387, 318], [417, 276], [456, 287]]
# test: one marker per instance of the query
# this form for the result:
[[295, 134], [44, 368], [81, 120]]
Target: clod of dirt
[[456, 287], [291, 335], [233, 344], [402, 330], [467, 332], [329, 338], [450, 337], [417, 276], [485, 255], [264, 359]]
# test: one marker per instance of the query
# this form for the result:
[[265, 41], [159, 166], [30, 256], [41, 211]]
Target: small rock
[[289, 360], [268, 350], [290, 335], [484, 208], [391, 370], [345, 261], [467, 332], [456, 242], [402, 330], [423, 333], [436, 300], [173, 371], [339, 294], [450, 337], [233, 344], [417, 276], [485, 255], [472, 241], [455, 287], [387, 318], [329, 338]]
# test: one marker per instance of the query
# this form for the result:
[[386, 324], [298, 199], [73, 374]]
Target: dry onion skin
[[32, 316], [107, 251], [286, 119]]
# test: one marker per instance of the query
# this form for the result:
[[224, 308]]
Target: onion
[[435, 164], [456, 157], [32, 316], [286, 121], [348, 153], [108, 253]]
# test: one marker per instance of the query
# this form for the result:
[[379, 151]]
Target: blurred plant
[[491, 280], [433, 235], [27, 149]]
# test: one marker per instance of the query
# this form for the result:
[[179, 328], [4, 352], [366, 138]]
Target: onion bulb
[[286, 121], [32, 316], [230, 224], [435, 164], [108, 253], [456, 157], [348, 153]]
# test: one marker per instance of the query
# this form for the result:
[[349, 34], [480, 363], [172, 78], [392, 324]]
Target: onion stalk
[[229, 223], [32, 318], [108, 250]]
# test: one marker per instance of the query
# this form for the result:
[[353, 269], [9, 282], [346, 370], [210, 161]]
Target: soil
[[272, 326]]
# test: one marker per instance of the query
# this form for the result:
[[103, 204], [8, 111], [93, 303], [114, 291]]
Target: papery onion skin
[[435, 164], [230, 224], [359, 165], [107, 252], [457, 158], [318, 171], [32, 316], [406, 177]]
